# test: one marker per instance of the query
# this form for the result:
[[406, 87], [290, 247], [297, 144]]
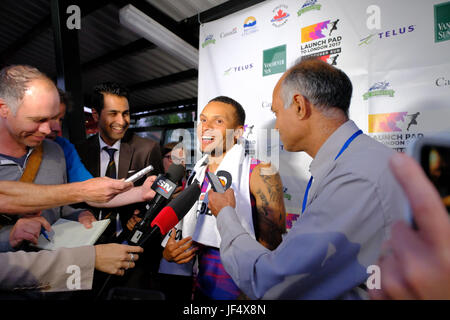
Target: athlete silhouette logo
[[413, 119], [248, 130], [333, 59], [333, 26]]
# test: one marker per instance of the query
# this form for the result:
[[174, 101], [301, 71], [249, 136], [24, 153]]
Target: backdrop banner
[[395, 52]]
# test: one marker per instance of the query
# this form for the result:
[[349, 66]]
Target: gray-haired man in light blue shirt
[[350, 202]]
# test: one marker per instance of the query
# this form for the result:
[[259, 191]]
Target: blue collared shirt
[[351, 205]]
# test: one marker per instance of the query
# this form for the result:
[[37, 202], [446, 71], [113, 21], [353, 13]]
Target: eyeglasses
[[173, 158]]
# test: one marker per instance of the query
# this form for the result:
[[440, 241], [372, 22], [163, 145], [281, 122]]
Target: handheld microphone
[[216, 185], [164, 186], [170, 215], [165, 220]]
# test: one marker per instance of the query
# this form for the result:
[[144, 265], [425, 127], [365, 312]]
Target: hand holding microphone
[[181, 251], [218, 197], [218, 201], [184, 250], [147, 193], [163, 188], [165, 220], [169, 216]]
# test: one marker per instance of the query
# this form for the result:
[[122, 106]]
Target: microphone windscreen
[[185, 200], [177, 208], [165, 220], [175, 172]]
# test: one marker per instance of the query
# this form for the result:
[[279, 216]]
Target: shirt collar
[[116, 145], [330, 149], [6, 160]]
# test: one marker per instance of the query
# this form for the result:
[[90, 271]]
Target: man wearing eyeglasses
[[172, 153]]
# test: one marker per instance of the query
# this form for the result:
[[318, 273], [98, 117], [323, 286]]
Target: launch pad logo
[[328, 56], [394, 129], [379, 89], [331, 58], [320, 40], [319, 30], [309, 6], [392, 122]]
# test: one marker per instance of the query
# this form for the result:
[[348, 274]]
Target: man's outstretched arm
[[20, 197], [135, 194]]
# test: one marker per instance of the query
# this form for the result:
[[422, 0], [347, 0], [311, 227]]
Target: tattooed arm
[[270, 220]]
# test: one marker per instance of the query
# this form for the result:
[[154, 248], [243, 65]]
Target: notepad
[[70, 234]]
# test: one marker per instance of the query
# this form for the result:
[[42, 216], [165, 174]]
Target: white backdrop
[[397, 54]]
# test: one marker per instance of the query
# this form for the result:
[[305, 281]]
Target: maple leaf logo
[[280, 15]]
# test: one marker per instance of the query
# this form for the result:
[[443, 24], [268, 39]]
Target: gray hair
[[325, 86], [14, 81]]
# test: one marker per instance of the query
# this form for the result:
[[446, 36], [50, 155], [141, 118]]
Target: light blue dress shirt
[[352, 202]]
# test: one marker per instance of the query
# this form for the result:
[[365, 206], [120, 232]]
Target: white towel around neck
[[202, 227]]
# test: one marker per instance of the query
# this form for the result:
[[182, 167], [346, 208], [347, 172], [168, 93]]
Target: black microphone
[[164, 186], [165, 220], [215, 182], [170, 215]]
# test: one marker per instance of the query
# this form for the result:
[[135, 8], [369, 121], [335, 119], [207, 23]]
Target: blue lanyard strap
[[345, 146], [305, 197], [347, 143]]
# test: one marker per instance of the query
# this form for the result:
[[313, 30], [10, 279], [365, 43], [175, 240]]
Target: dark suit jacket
[[136, 153]]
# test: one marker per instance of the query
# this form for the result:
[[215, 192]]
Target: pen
[[44, 233]]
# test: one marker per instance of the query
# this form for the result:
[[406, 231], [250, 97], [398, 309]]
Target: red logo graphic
[[280, 15]]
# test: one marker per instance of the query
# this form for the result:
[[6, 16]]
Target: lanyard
[[345, 146]]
